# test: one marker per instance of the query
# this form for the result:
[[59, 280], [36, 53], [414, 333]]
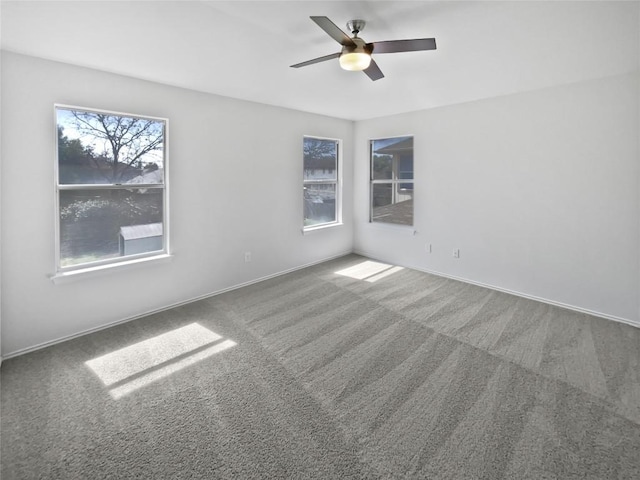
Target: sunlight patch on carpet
[[137, 365], [369, 271]]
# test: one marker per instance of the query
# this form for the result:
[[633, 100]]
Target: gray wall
[[538, 190], [235, 186]]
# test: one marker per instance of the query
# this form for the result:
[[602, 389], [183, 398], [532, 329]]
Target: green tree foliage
[[74, 159], [382, 166], [72, 152], [319, 154], [316, 148]]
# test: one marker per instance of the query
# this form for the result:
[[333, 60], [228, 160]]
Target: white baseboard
[[575, 308], [300, 267], [166, 307]]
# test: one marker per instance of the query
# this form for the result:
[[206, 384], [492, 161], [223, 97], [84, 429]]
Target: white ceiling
[[243, 49]]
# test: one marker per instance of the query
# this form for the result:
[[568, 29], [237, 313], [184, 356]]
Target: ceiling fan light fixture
[[355, 61]]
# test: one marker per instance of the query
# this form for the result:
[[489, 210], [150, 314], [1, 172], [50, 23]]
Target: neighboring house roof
[[98, 170], [153, 177], [141, 231], [400, 146], [400, 213]]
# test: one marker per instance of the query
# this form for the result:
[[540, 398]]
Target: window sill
[[69, 276], [314, 229]]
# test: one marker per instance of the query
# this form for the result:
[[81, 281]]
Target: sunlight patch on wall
[[369, 271], [137, 365]]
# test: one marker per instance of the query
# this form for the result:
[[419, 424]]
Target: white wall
[[538, 190], [235, 186], [0, 208]]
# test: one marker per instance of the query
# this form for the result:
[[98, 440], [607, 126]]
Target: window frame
[[395, 181], [58, 187], [337, 182]]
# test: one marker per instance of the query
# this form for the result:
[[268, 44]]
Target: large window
[[321, 181], [111, 187], [392, 180]]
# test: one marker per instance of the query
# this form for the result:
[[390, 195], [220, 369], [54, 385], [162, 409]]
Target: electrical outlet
[[456, 253], [247, 257]]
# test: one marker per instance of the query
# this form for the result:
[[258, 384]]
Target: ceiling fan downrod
[[356, 26]]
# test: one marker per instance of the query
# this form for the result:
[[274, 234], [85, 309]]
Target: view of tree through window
[[392, 180], [111, 186], [320, 166]]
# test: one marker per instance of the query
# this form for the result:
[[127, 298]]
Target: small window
[[111, 187], [321, 181], [392, 180]]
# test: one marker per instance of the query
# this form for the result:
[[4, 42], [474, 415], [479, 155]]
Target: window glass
[[101, 148], [392, 180], [111, 186], [320, 204], [320, 181], [320, 159], [92, 224], [382, 168]]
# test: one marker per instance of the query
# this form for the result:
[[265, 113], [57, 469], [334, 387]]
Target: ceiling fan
[[356, 54]]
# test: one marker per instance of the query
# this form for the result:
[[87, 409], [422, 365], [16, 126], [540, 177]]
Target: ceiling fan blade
[[395, 46], [316, 60], [333, 31], [373, 71]]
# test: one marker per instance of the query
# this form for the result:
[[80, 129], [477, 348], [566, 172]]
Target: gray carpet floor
[[334, 371]]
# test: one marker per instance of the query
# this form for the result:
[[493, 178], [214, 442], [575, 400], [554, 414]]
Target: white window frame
[[395, 181], [337, 182], [92, 267]]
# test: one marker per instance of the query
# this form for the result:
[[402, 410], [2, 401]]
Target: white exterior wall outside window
[[392, 180], [321, 182], [111, 188]]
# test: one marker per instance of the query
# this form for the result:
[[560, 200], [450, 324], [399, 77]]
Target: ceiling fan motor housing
[[360, 47]]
